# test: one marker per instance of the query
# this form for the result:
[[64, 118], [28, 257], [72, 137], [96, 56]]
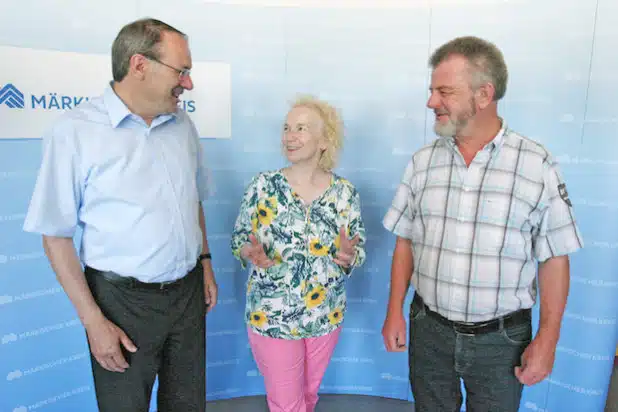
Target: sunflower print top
[[303, 294]]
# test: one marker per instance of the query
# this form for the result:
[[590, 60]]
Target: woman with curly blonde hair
[[301, 229]]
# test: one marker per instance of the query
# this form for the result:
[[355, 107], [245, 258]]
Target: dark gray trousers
[[168, 327], [440, 358]]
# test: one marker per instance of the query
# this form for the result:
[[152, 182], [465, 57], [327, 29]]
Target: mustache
[[178, 90]]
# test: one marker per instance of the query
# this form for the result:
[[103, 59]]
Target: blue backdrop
[[372, 62]]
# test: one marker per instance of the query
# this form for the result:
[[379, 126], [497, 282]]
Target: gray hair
[[486, 61], [139, 37]]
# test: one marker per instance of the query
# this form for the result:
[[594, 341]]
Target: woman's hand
[[347, 249], [254, 252]]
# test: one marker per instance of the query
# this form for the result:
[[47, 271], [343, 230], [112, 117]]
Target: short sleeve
[[57, 196], [558, 233], [205, 184], [399, 217]]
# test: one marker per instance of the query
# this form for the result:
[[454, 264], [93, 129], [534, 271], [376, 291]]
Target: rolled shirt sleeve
[[400, 215], [558, 233], [205, 184]]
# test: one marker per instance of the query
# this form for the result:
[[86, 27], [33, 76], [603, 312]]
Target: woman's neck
[[305, 174]]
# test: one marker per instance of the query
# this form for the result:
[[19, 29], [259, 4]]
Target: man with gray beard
[[477, 212]]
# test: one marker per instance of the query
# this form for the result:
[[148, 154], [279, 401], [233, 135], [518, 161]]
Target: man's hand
[[537, 361], [254, 252], [347, 252], [394, 332], [210, 286], [105, 339]]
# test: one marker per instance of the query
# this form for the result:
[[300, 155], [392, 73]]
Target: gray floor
[[327, 403], [355, 403]]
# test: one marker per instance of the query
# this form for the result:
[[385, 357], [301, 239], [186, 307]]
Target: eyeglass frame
[[182, 73]]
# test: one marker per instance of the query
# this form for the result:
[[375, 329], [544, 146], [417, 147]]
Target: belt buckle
[[163, 285], [464, 328], [469, 328]]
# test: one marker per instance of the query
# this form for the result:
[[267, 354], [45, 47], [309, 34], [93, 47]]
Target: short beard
[[452, 128]]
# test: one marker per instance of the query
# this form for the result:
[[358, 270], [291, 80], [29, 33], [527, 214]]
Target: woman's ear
[[323, 144]]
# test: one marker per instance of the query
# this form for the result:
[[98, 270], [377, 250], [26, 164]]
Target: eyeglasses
[[182, 73]]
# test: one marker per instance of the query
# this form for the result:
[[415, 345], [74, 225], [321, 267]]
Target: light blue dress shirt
[[134, 189]]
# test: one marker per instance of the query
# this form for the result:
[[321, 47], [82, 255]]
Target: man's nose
[[186, 82]]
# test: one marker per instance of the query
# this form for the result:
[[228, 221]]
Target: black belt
[[478, 328], [132, 282]]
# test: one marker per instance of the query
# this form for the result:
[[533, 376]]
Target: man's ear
[[485, 95], [138, 64]]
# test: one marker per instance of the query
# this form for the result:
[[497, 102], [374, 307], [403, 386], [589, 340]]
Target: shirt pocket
[[505, 223]]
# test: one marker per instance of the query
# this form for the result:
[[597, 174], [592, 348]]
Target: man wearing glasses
[[127, 169]]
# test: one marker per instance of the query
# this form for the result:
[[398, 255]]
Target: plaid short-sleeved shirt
[[478, 232]]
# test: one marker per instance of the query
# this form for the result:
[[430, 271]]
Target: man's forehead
[[173, 44], [449, 75]]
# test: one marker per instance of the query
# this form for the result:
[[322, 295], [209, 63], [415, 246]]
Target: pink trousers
[[292, 369]]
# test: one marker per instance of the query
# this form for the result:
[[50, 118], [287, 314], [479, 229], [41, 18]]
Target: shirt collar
[[497, 141], [118, 110]]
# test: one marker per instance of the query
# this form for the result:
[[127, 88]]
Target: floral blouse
[[303, 294]]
